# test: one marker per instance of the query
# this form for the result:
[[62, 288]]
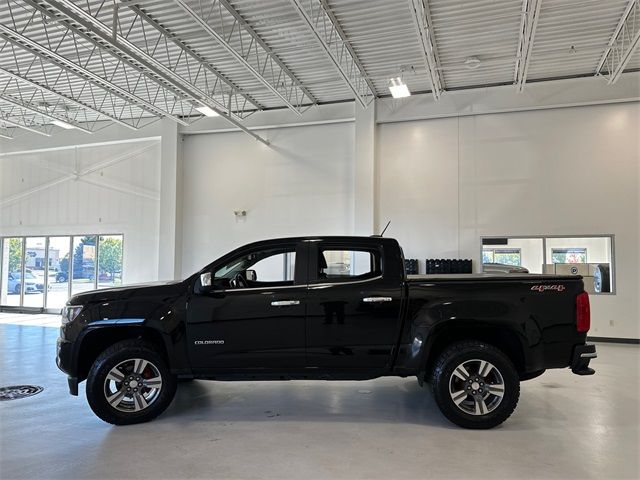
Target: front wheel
[[130, 383], [475, 385]]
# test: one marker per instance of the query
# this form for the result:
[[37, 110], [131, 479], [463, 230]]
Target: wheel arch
[[504, 339], [97, 340]]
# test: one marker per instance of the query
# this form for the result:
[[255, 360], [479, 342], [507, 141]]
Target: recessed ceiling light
[[62, 124], [207, 111], [398, 88], [472, 63]]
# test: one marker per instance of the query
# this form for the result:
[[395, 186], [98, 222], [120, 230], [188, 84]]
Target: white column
[[364, 174], [170, 230]]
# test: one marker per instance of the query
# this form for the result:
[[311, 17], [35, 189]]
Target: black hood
[[128, 291]]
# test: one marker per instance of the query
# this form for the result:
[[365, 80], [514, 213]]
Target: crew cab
[[330, 308]]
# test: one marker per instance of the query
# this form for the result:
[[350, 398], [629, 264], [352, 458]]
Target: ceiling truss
[[528, 26], [330, 37], [424, 29], [623, 44], [252, 53]]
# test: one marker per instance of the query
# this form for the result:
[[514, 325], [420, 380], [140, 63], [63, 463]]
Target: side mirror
[[251, 275], [205, 280]]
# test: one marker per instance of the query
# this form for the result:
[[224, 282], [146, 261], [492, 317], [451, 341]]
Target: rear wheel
[[129, 383], [475, 385]]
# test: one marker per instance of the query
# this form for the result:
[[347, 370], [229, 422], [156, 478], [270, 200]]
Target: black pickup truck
[[329, 308]]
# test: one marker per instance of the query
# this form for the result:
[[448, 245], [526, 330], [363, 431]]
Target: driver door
[[250, 324]]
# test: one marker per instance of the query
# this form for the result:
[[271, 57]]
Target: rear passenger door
[[353, 310]]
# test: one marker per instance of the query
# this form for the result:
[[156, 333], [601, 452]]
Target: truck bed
[[455, 277]]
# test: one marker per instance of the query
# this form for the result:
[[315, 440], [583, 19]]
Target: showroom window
[[504, 256], [592, 257], [42, 272]]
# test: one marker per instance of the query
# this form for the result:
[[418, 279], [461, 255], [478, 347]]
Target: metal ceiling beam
[[623, 44], [24, 126], [6, 132], [34, 47], [38, 111], [330, 37], [528, 26], [104, 37], [424, 29], [197, 66], [65, 98], [254, 54]]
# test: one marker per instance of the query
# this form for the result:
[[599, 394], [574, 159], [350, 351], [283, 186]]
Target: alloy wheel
[[133, 385], [476, 387]]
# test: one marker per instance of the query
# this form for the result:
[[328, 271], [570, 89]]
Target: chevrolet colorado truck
[[328, 308]]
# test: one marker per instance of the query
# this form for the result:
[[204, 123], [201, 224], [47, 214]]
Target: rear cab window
[[344, 264]]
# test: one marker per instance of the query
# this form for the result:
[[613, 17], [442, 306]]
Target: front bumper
[[582, 355], [64, 355]]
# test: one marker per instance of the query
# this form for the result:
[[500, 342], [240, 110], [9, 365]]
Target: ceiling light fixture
[[472, 63], [398, 88], [207, 111], [61, 124]]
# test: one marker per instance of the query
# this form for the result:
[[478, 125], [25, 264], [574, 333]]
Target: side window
[[276, 268], [344, 265], [272, 267]]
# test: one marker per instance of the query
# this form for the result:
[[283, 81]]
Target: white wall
[[40, 196], [302, 184], [444, 183]]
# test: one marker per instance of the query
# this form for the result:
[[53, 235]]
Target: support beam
[[528, 27], [170, 228], [103, 36], [253, 54], [65, 98], [424, 29], [38, 111], [327, 34], [22, 123], [623, 44], [6, 133], [364, 172]]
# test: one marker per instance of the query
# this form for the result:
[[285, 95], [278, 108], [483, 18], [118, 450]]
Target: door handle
[[377, 299], [285, 303]]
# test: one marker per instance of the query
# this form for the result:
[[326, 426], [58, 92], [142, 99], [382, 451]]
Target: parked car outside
[[31, 284]]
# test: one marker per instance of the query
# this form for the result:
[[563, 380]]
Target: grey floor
[[564, 427]]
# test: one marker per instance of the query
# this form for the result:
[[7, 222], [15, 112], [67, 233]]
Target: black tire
[[443, 376], [115, 355], [602, 278], [16, 289]]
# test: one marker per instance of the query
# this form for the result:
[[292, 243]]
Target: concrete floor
[[564, 427]]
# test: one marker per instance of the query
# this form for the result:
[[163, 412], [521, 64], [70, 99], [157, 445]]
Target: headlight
[[70, 312]]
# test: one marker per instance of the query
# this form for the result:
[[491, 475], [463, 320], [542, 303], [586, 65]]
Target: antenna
[[385, 228]]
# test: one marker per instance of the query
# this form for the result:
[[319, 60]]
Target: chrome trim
[[354, 282], [377, 299], [285, 303], [589, 355]]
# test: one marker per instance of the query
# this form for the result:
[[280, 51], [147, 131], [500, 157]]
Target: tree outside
[[15, 254], [110, 256]]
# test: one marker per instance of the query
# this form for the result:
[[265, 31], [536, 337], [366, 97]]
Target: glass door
[[83, 270], [34, 284], [58, 272], [12, 263]]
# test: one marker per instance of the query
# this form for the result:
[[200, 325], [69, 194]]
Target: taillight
[[583, 312]]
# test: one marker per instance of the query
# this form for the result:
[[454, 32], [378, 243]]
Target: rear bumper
[[582, 355]]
